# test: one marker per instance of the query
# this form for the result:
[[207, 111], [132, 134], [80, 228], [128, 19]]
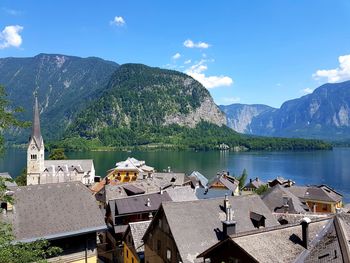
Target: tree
[[243, 178], [57, 154], [11, 251], [8, 117], [262, 189], [21, 180]]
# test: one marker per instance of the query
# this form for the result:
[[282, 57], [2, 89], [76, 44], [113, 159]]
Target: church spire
[[36, 133]]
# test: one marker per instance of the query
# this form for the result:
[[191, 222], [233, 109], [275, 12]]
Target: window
[[158, 246], [324, 207], [127, 253], [33, 156], [160, 223], [132, 260], [168, 254]]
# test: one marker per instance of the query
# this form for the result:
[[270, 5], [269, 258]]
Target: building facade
[[40, 171]]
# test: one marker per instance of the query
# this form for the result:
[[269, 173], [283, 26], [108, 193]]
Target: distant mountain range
[[323, 114], [100, 103], [64, 85]]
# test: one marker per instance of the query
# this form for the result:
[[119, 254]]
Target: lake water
[[314, 167]]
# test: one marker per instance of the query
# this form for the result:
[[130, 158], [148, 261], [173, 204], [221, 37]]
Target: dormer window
[[258, 220]]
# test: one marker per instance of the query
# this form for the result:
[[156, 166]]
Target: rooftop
[[197, 225], [54, 210]]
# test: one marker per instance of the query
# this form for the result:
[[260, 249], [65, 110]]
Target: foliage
[[21, 180], [243, 178], [262, 189], [11, 251], [205, 136], [8, 117], [57, 154]]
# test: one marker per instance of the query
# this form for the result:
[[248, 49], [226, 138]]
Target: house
[[198, 180], [180, 231], [223, 184], [129, 170], [133, 248], [325, 240], [281, 181], [320, 199], [253, 185], [122, 211], [41, 171], [280, 200], [66, 214]]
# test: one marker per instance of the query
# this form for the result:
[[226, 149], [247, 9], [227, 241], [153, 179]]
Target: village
[[137, 214]]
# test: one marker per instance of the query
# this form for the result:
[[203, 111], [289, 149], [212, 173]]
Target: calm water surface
[[316, 167]]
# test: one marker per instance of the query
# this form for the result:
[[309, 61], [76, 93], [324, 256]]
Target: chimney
[[229, 225], [226, 202], [148, 203], [285, 203], [305, 231], [161, 190], [150, 216]]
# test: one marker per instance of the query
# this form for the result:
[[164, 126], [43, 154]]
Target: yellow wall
[[122, 176], [321, 205], [129, 255]]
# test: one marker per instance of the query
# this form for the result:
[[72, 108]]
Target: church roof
[[36, 132]]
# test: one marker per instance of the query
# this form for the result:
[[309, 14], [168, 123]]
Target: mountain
[[323, 114], [141, 96], [64, 84], [240, 116]]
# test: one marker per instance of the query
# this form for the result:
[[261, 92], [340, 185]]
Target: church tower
[[35, 151]]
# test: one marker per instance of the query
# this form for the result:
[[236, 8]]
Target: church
[[41, 171]]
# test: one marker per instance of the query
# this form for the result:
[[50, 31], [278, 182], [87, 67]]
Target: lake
[[310, 167]]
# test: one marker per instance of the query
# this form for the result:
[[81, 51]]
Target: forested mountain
[[64, 84], [92, 103], [323, 114]]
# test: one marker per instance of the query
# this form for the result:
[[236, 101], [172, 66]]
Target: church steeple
[[36, 150], [36, 132]]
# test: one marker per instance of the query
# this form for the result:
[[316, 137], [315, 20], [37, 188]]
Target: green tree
[[10, 251], [262, 189], [243, 178], [21, 180], [57, 154]]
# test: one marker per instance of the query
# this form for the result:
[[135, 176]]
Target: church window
[[33, 156]]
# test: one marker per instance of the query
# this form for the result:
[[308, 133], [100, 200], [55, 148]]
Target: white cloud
[[118, 21], [196, 71], [307, 91], [176, 56], [190, 44], [10, 37], [230, 100], [341, 73], [188, 61]]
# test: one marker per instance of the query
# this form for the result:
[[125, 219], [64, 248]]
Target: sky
[[251, 52]]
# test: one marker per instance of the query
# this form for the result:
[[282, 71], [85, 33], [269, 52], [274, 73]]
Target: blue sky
[[242, 51]]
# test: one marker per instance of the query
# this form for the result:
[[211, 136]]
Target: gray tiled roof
[[197, 177], [137, 203], [137, 230], [197, 225], [273, 199], [176, 179], [256, 183], [182, 193], [54, 210], [280, 244], [228, 181], [85, 164], [8, 176], [317, 193]]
